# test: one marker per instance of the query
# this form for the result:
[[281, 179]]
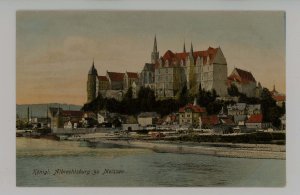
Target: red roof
[[102, 78], [210, 120], [174, 58], [133, 75], [116, 76], [227, 121], [72, 113], [255, 118], [279, 98], [242, 76], [194, 108]]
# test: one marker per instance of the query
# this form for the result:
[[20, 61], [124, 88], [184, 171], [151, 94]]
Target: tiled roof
[[194, 108], [210, 120], [242, 76], [279, 98], [102, 78], [72, 113], [256, 118], [207, 55], [116, 76], [227, 121], [133, 75]]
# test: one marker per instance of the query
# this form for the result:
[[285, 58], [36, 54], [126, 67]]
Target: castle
[[168, 74]]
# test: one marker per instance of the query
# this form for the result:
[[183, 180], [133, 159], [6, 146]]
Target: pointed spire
[[274, 88], [192, 50], [184, 51], [155, 44]]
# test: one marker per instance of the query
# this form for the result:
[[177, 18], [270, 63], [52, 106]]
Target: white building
[[147, 118]]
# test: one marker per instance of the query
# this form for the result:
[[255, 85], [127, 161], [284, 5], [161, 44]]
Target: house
[[208, 122], [244, 81], [68, 125], [278, 97], [283, 122], [190, 114], [253, 109], [238, 112], [103, 117], [72, 115], [256, 122], [130, 127], [148, 118], [171, 119]]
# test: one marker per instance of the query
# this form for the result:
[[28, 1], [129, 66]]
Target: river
[[42, 162]]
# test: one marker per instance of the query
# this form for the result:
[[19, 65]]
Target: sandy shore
[[263, 151]]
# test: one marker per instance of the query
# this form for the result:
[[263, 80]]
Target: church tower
[[191, 71], [155, 53], [92, 84]]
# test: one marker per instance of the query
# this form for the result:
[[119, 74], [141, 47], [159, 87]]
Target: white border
[[8, 81]]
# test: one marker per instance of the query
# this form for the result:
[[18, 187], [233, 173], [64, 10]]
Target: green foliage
[[183, 96], [204, 98], [252, 138], [271, 112], [233, 90]]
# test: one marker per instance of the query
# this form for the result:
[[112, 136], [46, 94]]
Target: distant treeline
[[251, 138]]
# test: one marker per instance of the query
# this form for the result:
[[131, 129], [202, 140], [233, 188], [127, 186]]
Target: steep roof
[[210, 120], [102, 78], [194, 108], [241, 76], [255, 118], [93, 70], [72, 113], [174, 58], [279, 98], [133, 75], [116, 76]]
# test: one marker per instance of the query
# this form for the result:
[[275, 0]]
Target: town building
[[147, 118], [256, 122], [283, 122], [64, 118], [241, 111], [190, 114], [245, 82], [278, 97]]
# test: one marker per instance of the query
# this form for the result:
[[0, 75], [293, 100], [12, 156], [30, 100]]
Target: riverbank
[[232, 150]]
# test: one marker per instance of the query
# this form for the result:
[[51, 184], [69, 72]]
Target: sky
[[55, 49]]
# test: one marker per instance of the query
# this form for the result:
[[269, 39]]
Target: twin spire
[[184, 50]]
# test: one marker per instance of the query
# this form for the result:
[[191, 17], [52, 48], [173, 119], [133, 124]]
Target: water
[[137, 167]]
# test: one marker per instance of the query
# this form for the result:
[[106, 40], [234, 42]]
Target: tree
[[271, 112], [233, 90], [183, 96]]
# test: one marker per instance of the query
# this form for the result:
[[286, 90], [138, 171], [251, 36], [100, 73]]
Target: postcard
[[150, 98]]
